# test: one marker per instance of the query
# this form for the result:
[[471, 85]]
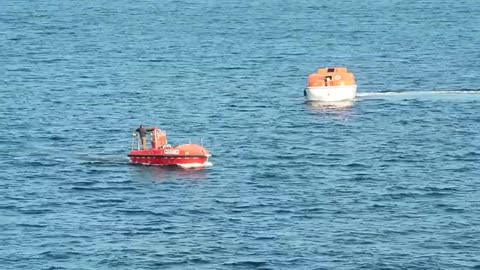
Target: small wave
[[246, 263], [100, 188], [54, 268], [199, 261], [109, 201], [357, 165], [59, 255], [138, 212], [35, 211], [31, 225]]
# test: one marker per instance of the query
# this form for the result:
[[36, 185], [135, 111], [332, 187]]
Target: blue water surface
[[390, 181]]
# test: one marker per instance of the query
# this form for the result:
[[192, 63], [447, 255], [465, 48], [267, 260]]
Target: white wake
[[418, 93], [196, 165]]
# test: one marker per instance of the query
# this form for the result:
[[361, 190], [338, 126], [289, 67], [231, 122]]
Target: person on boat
[[328, 81], [142, 131]]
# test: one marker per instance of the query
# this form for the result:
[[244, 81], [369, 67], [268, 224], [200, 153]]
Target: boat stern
[[331, 94]]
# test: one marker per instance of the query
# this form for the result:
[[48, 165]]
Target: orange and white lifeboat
[[162, 154], [331, 85]]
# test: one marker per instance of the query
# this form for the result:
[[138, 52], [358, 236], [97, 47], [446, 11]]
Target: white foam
[[196, 165], [419, 93]]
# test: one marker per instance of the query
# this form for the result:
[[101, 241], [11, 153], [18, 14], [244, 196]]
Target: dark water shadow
[[168, 173]]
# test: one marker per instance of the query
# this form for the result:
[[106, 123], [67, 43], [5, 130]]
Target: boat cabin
[[157, 137], [331, 76]]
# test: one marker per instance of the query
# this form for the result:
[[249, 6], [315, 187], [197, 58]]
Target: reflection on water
[[338, 108], [331, 105], [166, 173]]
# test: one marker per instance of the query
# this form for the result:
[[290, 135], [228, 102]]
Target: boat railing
[[135, 142], [196, 141]]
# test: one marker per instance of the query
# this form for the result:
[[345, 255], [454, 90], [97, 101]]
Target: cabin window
[[331, 70]]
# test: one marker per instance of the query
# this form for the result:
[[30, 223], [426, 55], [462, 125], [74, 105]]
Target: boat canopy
[[331, 76]]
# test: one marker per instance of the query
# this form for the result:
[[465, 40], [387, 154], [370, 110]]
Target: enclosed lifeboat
[[163, 154], [331, 85]]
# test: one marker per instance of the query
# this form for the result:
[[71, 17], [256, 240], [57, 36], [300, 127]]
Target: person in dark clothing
[[142, 131]]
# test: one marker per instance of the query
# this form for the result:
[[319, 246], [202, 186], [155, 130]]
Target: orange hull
[[182, 155]]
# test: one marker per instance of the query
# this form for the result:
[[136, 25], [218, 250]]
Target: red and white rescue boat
[[163, 154], [331, 85]]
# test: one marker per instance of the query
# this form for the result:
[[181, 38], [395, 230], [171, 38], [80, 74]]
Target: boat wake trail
[[104, 160], [415, 94]]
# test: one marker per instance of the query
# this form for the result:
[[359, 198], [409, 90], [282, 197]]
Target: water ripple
[[388, 181]]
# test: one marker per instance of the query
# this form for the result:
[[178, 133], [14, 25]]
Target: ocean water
[[389, 181]]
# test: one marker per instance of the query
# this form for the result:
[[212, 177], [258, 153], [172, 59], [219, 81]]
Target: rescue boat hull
[[331, 93], [186, 156], [166, 160]]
